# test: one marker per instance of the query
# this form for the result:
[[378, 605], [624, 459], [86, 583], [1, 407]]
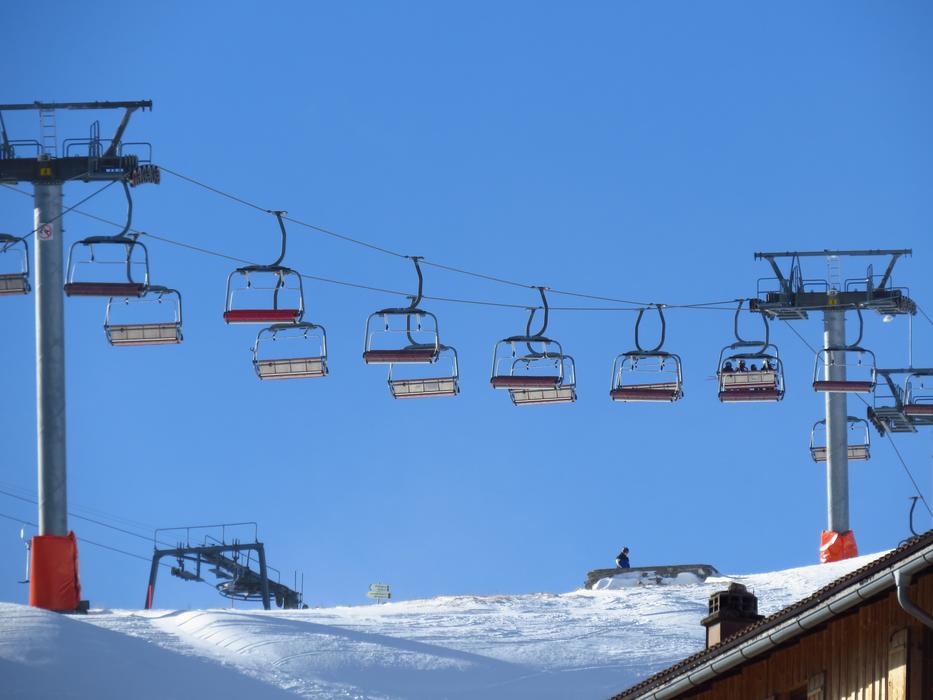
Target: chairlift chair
[[858, 450], [918, 397], [14, 265], [285, 363], [109, 266], [268, 284], [864, 379], [104, 266], [765, 383], [750, 371], [647, 375], [534, 368], [148, 332], [437, 384], [857, 378], [402, 335]]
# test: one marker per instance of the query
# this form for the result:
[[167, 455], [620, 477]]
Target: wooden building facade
[[866, 636]]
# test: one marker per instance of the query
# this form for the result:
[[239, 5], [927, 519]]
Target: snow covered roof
[[795, 620]]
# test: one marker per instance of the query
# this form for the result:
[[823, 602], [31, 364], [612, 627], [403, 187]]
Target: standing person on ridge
[[622, 560]]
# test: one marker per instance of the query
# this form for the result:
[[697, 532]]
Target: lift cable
[[887, 434], [65, 211], [33, 501], [924, 314], [632, 305], [449, 268], [83, 539], [127, 522], [319, 229]]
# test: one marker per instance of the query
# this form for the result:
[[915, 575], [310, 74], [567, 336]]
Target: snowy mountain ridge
[[581, 644]]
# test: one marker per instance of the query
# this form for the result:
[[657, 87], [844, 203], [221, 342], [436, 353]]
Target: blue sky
[[629, 150]]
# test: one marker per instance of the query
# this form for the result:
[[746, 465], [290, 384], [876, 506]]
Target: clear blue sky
[[633, 150]]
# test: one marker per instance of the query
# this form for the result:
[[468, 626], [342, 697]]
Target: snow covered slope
[[584, 644]]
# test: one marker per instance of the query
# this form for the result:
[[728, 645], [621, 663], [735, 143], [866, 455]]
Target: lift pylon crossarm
[[837, 253], [137, 104], [111, 165], [796, 295]]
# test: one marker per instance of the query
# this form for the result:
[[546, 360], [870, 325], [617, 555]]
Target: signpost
[[379, 591]]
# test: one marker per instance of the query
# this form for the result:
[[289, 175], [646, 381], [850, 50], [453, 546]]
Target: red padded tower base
[[53, 577], [836, 546]]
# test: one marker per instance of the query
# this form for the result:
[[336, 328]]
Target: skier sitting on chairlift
[[622, 560]]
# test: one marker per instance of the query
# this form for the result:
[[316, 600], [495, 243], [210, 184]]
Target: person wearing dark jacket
[[622, 559]]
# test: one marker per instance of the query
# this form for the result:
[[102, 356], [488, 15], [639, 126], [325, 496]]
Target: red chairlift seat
[[844, 386], [262, 315], [105, 289], [416, 354], [308, 365], [14, 282], [525, 381], [918, 409], [660, 392]]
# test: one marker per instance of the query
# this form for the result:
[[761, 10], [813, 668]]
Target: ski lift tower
[[793, 299], [54, 582]]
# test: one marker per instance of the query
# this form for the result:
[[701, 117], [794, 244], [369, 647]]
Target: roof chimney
[[730, 611]]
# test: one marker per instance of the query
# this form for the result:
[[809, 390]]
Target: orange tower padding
[[836, 546], [53, 577]]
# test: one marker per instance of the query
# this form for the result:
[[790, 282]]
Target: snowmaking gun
[[651, 575]]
